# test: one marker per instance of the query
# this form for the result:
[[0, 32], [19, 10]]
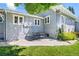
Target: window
[[21, 19], [15, 19], [47, 20], [1, 19], [18, 19], [37, 22]]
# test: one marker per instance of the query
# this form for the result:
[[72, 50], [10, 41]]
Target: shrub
[[66, 36]]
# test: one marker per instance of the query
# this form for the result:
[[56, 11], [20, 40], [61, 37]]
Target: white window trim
[[2, 18], [49, 19], [37, 22], [14, 19], [19, 20]]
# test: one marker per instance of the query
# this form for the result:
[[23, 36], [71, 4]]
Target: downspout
[[43, 26], [56, 26]]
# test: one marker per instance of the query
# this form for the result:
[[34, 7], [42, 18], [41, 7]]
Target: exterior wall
[[51, 28], [12, 30], [30, 27], [77, 27], [69, 25], [59, 22], [56, 22], [2, 28]]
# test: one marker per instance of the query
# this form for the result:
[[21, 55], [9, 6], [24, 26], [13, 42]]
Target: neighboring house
[[15, 25]]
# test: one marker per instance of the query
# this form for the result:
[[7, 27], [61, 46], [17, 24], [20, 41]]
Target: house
[[15, 25], [58, 17]]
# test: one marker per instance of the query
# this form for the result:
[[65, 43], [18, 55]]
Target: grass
[[72, 50]]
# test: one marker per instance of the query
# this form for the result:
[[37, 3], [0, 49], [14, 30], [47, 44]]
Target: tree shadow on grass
[[10, 50]]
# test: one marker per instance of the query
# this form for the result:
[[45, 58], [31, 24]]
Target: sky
[[74, 5], [21, 8]]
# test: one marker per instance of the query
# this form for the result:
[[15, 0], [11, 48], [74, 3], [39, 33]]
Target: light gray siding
[[77, 27], [12, 30], [56, 22], [31, 27], [69, 25], [67, 22], [1, 30], [51, 28]]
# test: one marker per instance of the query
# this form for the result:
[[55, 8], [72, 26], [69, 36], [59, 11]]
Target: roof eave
[[16, 12], [63, 11]]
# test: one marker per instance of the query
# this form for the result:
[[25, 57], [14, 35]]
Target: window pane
[[1, 19], [35, 22], [16, 19], [20, 19], [38, 22], [48, 20]]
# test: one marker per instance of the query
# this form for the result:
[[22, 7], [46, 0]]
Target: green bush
[[66, 36]]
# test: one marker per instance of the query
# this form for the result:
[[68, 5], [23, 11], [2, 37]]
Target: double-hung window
[[37, 22], [18, 19], [15, 19], [47, 20], [21, 20]]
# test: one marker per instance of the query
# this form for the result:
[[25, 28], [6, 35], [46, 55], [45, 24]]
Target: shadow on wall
[[27, 29]]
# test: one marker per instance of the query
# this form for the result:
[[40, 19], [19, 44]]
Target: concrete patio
[[39, 42], [42, 42]]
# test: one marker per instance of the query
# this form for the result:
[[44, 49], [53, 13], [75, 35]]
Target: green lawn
[[41, 50]]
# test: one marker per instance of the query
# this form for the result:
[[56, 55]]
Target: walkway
[[42, 42]]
